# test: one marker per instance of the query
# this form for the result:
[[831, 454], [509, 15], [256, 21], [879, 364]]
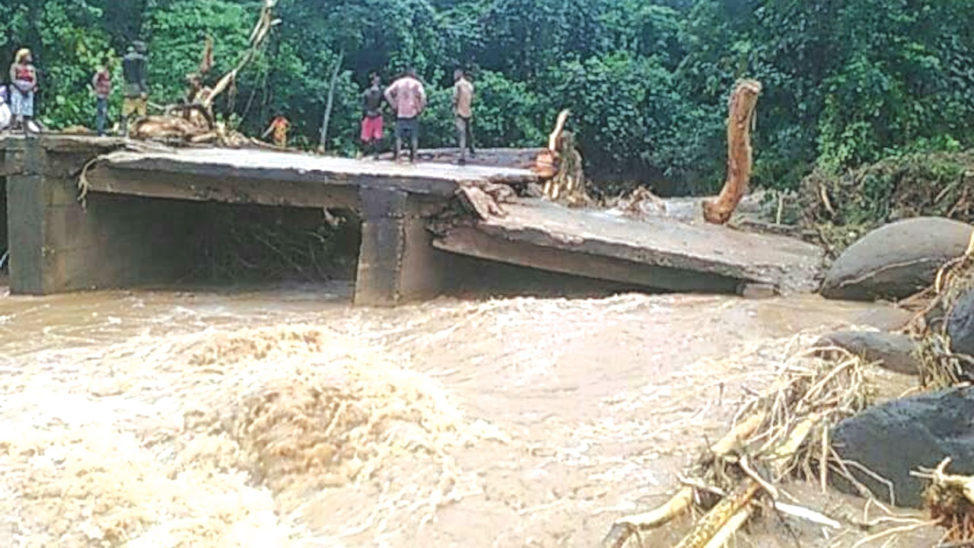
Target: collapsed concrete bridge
[[130, 227]]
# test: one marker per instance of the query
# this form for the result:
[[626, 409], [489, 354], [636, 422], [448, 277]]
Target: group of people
[[407, 98], [17, 99], [135, 99]]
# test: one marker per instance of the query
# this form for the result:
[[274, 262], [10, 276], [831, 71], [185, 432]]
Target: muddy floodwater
[[283, 416]]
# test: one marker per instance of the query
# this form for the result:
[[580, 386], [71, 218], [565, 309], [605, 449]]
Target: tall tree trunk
[[323, 146], [739, 153]]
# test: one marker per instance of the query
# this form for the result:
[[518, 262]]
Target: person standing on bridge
[[408, 97], [23, 85], [101, 83], [463, 113], [372, 117], [136, 101], [5, 115], [279, 126]]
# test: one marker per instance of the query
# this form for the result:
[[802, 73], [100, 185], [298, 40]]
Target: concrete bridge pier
[[397, 260]]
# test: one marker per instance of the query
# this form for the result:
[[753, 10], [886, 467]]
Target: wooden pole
[[323, 146], [739, 153]]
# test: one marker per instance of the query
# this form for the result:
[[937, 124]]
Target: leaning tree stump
[[739, 155]]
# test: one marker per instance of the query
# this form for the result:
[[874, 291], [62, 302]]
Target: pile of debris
[[818, 422], [193, 121], [843, 208], [781, 433]]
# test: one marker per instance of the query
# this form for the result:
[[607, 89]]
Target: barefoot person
[[136, 101], [372, 117], [408, 98], [463, 113], [23, 86], [101, 83]]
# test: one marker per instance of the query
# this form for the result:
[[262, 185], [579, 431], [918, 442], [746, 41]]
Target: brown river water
[[282, 416]]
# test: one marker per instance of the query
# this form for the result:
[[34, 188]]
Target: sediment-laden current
[[283, 416]]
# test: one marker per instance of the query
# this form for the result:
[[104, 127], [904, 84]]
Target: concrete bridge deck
[[139, 207]]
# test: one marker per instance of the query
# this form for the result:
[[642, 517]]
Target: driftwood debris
[[940, 366], [784, 434], [740, 122], [950, 500], [560, 165], [193, 122]]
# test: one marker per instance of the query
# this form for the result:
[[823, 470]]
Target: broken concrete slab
[[680, 256]]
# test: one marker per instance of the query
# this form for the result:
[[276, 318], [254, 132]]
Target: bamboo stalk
[[732, 526], [718, 522], [679, 503]]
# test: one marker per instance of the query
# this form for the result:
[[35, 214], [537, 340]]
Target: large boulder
[[897, 260], [892, 439], [960, 324], [891, 351]]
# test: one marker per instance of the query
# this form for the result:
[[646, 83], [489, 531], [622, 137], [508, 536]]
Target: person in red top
[[23, 80], [279, 127], [102, 84]]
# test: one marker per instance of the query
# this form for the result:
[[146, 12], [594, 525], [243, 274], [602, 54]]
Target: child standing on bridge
[[23, 85], [279, 127]]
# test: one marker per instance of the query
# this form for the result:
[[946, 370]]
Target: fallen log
[[739, 153]]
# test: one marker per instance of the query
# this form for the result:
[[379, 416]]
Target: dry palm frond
[[950, 500], [778, 434], [940, 366]]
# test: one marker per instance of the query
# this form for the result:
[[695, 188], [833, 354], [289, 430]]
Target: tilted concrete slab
[[195, 164], [655, 252]]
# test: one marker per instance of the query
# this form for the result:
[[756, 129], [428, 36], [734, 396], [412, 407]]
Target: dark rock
[[897, 260], [960, 324], [891, 351], [903, 435]]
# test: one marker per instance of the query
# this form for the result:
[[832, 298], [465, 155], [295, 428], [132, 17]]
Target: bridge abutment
[[59, 244]]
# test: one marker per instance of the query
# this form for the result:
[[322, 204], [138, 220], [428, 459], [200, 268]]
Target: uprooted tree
[[740, 122], [193, 121]]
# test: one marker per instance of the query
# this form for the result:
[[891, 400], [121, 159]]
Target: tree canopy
[[846, 81]]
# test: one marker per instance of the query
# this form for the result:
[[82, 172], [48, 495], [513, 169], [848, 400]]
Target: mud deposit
[[285, 417]]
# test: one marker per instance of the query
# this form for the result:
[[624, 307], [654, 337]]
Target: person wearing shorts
[[408, 97], [23, 85], [372, 118]]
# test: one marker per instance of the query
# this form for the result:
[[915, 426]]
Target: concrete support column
[[397, 260], [25, 218], [57, 245]]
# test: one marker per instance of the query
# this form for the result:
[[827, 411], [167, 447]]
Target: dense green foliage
[[846, 81]]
